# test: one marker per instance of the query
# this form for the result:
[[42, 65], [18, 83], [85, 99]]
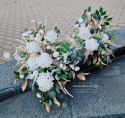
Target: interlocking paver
[[15, 15]]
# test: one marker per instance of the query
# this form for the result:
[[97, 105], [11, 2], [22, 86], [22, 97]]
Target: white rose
[[77, 68], [71, 66]]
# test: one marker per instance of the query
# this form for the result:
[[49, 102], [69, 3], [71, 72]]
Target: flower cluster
[[45, 63], [49, 63], [91, 40]]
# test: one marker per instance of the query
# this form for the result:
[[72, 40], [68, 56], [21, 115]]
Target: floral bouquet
[[91, 39], [49, 63]]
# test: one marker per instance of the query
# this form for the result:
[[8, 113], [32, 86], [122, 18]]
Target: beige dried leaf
[[44, 45], [76, 63], [24, 84], [110, 42], [88, 16], [22, 72], [15, 81], [81, 77], [31, 30], [94, 59], [56, 101], [47, 107], [73, 74]]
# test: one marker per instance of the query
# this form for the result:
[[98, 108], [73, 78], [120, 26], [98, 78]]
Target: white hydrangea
[[80, 20], [51, 36], [44, 60], [91, 44], [31, 63], [45, 81], [32, 47], [84, 32]]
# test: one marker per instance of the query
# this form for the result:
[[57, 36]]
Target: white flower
[[32, 47], [105, 37], [51, 36], [80, 20], [48, 47], [84, 33], [106, 45], [32, 63], [56, 77], [54, 70], [21, 76], [77, 68], [45, 81], [38, 35], [30, 76], [71, 66], [44, 60], [76, 25], [64, 68], [91, 44], [6, 55], [70, 39], [55, 54], [31, 37], [65, 61], [61, 65], [58, 58], [37, 39], [33, 21], [38, 95], [74, 68], [41, 31], [65, 55], [35, 73], [25, 34]]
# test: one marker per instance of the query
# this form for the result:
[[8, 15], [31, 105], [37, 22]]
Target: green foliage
[[58, 31], [26, 29], [101, 10], [64, 105], [73, 55], [100, 66], [40, 70], [49, 102], [77, 22], [79, 58], [89, 63], [113, 36], [106, 23], [97, 12], [61, 97], [80, 54], [69, 75], [56, 106], [64, 76], [84, 16], [89, 9], [105, 17], [109, 19], [103, 13], [51, 94], [110, 61], [55, 28], [85, 11]]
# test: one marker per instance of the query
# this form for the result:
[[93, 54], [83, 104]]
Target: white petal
[[6, 55], [77, 68]]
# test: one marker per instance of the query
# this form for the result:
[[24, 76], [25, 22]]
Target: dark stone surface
[[102, 94]]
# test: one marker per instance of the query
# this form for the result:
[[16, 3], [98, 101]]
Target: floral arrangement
[[49, 63], [91, 39]]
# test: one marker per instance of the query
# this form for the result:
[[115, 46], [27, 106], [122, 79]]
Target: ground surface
[[15, 15]]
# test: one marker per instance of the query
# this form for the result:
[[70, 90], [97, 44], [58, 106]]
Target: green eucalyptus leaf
[[89, 9], [103, 13], [105, 17], [64, 76], [110, 61], [73, 55], [97, 12], [26, 29], [79, 58], [49, 102], [80, 54], [57, 90], [85, 11], [84, 16], [64, 105], [52, 94], [89, 63], [69, 75], [58, 31], [61, 97], [55, 28], [77, 22], [62, 50], [106, 23], [56, 106], [109, 19], [101, 9], [100, 66]]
